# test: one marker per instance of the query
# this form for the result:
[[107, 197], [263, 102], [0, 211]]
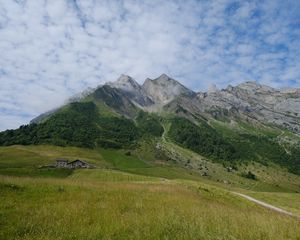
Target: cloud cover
[[52, 49]]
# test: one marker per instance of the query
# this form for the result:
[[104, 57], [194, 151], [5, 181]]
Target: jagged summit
[[249, 100], [165, 80], [158, 91], [164, 89], [125, 82], [164, 77], [132, 90]]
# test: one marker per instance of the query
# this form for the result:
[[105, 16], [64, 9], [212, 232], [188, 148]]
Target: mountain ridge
[[248, 122], [250, 99]]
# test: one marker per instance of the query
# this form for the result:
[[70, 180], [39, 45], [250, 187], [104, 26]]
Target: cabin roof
[[78, 160]]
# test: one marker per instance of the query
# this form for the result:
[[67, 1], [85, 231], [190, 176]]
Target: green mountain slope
[[110, 117], [77, 124], [164, 166]]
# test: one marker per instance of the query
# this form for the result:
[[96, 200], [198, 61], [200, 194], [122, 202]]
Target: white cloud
[[53, 49]]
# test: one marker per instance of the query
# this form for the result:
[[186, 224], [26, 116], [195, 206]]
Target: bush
[[249, 175]]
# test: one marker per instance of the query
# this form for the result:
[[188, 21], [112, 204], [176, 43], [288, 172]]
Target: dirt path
[[266, 205]]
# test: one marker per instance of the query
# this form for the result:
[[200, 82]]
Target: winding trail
[[266, 205]]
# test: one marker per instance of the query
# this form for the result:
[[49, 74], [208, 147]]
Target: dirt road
[[266, 205]]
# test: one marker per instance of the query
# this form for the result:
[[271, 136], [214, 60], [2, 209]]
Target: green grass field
[[125, 197]]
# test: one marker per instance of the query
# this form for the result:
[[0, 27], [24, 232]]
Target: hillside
[[156, 148], [233, 126], [126, 197]]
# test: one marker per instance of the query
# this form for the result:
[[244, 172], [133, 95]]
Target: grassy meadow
[[124, 197]]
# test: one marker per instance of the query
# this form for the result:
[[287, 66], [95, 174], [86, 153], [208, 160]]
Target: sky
[[53, 49]]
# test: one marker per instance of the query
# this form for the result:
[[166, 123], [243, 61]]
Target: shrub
[[249, 175]]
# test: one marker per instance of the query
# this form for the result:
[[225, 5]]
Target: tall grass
[[104, 209], [136, 200]]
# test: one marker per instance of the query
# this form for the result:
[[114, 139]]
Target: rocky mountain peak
[[164, 77], [125, 82], [131, 89], [164, 89], [249, 100]]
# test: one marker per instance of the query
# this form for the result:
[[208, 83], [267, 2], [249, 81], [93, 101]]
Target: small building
[[78, 164], [64, 163], [61, 163]]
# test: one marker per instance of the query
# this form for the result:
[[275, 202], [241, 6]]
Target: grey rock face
[[116, 100], [212, 88], [132, 90], [125, 83], [164, 89], [260, 102]]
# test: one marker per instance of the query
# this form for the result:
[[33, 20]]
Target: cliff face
[[164, 89], [132, 90], [262, 103]]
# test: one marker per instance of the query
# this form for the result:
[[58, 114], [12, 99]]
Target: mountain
[[164, 89], [132, 90], [259, 102], [235, 125]]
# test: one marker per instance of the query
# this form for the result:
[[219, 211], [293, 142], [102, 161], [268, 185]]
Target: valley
[[126, 197], [149, 120], [166, 163]]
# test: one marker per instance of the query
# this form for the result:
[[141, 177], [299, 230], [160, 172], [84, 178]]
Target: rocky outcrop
[[260, 102], [132, 90], [164, 89], [280, 107]]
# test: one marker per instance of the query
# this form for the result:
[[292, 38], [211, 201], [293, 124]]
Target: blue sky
[[52, 49]]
